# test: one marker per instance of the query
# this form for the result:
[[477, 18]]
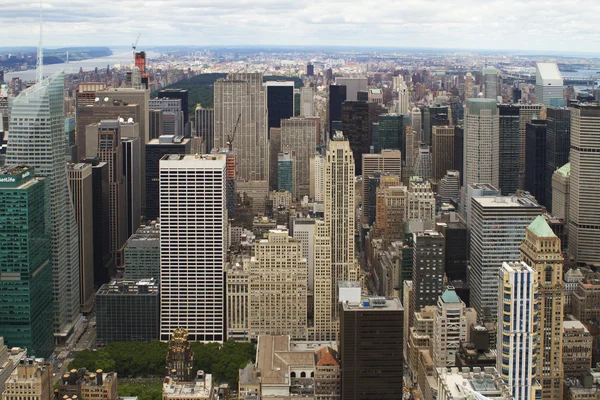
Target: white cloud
[[554, 25]]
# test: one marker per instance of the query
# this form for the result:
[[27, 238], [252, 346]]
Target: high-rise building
[[391, 212], [541, 250], [442, 148], [307, 101], [434, 116], [39, 143], [193, 245], [31, 377], [428, 268], [317, 170], [325, 328], [81, 184], [548, 83], [510, 142], [577, 349], [286, 172], [421, 200], [456, 245], [490, 83], [403, 98], [527, 113], [481, 143], [337, 96], [310, 69], [183, 95], [304, 232], [518, 360], [240, 107], [416, 121], [391, 133], [353, 86], [205, 127], [133, 185], [497, 227], [274, 150], [560, 192], [301, 135], [278, 287], [173, 120], [535, 160], [371, 349], [127, 311], [584, 219], [357, 124], [156, 121], [142, 254], [25, 261], [459, 140], [155, 150], [450, 327], [377, 181], [449, 187], [110, 151], [424, 162], [280, 102], [388, 161], [340, 211], [558, 145]]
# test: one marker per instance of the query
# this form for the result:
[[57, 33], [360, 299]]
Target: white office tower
[[403, 96], [193, 216], [416, 118], [340, 211], [450, 326], [423, 164], [421, 200], [481, 147], [37, 139], [240, 108], [584, 190], [548, 83], [307, 101], [497, 227], [490, 83], [517, 360]]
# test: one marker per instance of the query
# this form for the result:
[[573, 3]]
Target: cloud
[[508, 24]]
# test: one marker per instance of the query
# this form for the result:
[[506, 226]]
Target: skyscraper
[[39, 143], [490, 83], [416, 121], [173, 120], [535, 160], [541, 250], [325, 328], [560, 192], [428, 268], [434, 116], [558, 145], [357, 124], [183, 95], [403, 97], [337, 96], [527, 112], [518, 329], [340, 211], [353, 85], [481, 144], [584, 218], [307, 101], [280, 102], [278, 287], [450, 327], [192, 253], [240, 107], [510, 142], [205, 126], [497, 226], [25, 261], [442, 148], [81, 184], [301, 135], [286, 172], [548, 83], [133, 184], [388, 161]]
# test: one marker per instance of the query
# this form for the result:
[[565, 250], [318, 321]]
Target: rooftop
[[274, 359], [573, 325], [375, 304], [200, 389], [565, 170], [540, 228], [506, 201], [548, 71], [450, 296]]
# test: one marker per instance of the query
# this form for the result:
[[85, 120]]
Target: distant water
[[118, 56]]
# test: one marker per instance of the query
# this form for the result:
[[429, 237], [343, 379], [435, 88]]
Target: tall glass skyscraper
[[25, 261], [37, 139]]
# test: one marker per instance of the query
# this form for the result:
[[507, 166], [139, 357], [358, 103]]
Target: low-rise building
[[9, 359], [30, 380], [475, 384], [82, 384], [327, 374], [199, 389]]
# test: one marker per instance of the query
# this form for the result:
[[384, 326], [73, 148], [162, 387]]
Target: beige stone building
[[577, 349], [421, 200], [31, 380]]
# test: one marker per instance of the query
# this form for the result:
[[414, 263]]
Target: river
[[120, 55]]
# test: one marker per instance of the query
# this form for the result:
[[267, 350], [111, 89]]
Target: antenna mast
[[40, 53]]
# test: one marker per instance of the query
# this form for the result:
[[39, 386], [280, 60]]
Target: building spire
[[40, 53]]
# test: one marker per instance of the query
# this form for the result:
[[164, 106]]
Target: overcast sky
[[550, 25]]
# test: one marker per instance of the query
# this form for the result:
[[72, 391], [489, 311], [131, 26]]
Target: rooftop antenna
[[40, 53]]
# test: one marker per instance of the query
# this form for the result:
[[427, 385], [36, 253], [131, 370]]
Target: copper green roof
[[540, 228], [565, 170], [450, 296]]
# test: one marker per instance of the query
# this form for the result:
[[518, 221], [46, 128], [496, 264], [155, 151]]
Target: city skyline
[[411, 24]]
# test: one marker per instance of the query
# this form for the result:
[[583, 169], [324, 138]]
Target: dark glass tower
[[391, 133], [337, 95], [558, 145], [357, 124], [25, 261], [508, 170], [433, 116], [535, 160], [280, 102], [178, 94]]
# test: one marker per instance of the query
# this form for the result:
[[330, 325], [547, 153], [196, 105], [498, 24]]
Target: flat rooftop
[[506, 201], [375, 304]]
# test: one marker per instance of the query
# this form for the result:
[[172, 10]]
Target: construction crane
[[230, 138], [134, 45]]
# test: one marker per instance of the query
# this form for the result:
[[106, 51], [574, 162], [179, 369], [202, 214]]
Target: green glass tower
[[25, 261], [391, 132]]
